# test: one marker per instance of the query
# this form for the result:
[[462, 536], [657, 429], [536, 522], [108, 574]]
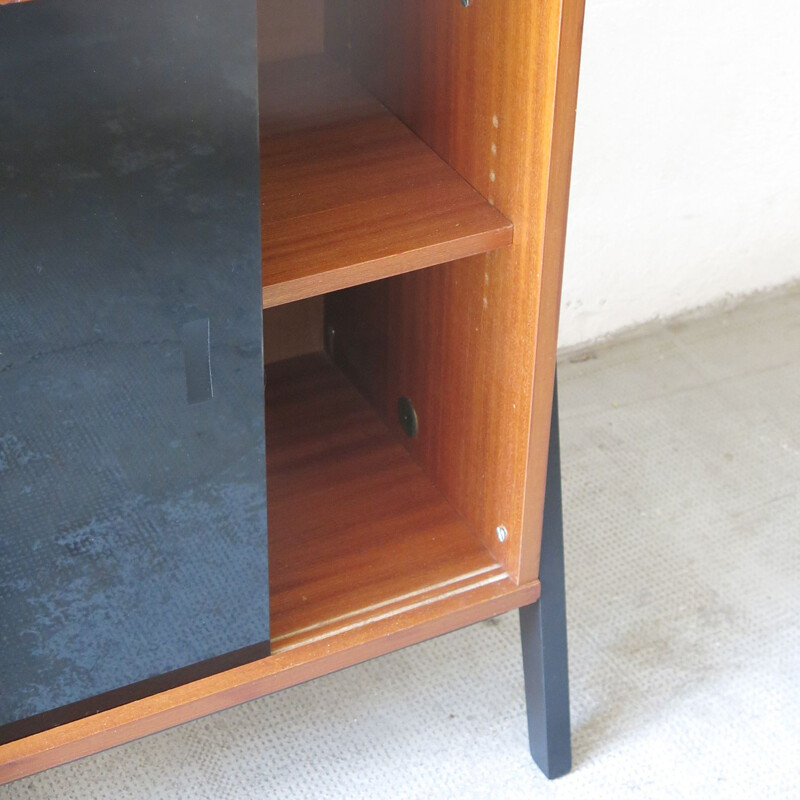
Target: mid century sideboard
[[279, 291]]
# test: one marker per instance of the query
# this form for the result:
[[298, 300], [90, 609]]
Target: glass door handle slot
[[196, 338]]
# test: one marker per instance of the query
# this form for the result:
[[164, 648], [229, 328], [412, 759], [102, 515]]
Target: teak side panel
[[569, 36], [346, 500], [349, 193], [473, 343]]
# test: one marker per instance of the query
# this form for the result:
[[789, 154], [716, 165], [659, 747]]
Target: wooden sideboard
[[412, 160]]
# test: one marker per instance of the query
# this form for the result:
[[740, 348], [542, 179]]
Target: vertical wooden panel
[[357, 337], [472, 343], [290, 29], [337, 29], [562, 134], [294, 329]]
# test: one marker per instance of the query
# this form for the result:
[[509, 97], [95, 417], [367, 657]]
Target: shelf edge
[[289, 291]]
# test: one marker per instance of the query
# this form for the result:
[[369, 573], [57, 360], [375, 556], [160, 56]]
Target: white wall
[[686, 178]]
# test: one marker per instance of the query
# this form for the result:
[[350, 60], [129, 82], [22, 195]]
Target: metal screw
[[465, 3], [502, 531], [408, 417]]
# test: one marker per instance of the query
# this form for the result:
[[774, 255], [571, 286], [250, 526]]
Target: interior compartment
[[392, 273], [349, 193], [358, 532]]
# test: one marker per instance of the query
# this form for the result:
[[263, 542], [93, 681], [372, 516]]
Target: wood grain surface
[[294, 329], [365, 557], [491, 88], [349, 193], [356, 527]]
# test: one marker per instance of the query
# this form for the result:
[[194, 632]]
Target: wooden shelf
[[349, 193]]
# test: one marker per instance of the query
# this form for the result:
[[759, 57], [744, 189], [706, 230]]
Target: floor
[[681, 461]]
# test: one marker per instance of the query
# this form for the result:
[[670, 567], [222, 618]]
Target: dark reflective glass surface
[[132, 470]]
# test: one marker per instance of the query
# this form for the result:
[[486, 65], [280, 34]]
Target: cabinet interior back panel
[[133, 539]]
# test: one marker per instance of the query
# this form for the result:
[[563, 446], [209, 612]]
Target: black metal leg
[[544, 634]]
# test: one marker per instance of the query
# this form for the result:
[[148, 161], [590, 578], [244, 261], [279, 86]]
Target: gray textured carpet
[[681, 458]]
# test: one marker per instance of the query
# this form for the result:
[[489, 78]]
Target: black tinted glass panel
[[132, 473]]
